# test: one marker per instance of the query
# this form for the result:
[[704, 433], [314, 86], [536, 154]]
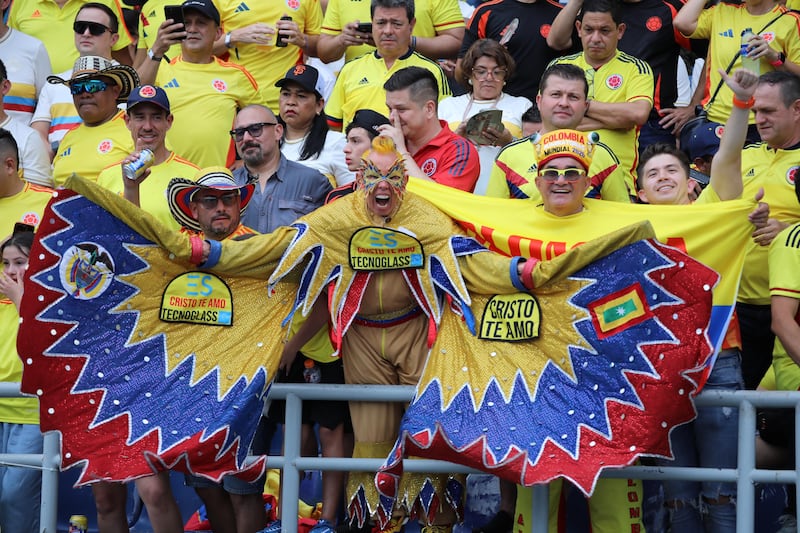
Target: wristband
[[197, 250], [213, 254], [780, 61], [743, 105], [527, 273]]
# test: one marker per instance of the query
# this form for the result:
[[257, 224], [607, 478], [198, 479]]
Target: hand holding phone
[[364, 27], [176, 14], [280, 40]]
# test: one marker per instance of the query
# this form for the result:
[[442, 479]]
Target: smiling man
[[97, 86], [149, 119]]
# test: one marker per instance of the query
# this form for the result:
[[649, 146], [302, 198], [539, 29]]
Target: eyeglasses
[[569, 174], [210, 202], [87, 86], [255, 130], [95, 28], [497, 73]]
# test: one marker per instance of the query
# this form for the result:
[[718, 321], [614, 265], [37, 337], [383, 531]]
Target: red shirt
[[450, 159]]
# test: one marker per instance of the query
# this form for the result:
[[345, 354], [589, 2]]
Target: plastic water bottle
[[311, 372], [753, 65]]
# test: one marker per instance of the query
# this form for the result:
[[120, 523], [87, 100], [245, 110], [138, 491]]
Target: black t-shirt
[[527, 45]]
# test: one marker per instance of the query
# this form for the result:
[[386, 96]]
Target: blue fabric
[[709, 441], [20, 488], [213, 254]]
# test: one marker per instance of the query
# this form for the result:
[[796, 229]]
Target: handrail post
[[51, 460], [540, 507], [746, 463], [290, 482]]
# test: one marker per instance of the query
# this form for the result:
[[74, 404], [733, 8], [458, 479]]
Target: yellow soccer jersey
[[784, 280], [360, 85], [623, 79], [514, 174], [87, 151], [26, 206], [204, 99], [432, 16], [151, 18], [722, 25], [52, 25], [269, 64], [775, 171], [152, 191]]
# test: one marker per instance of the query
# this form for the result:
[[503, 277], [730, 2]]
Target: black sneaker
[[502, 522]]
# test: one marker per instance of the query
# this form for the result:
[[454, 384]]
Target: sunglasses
[[255, 130], [87, 86], [569, 174], [95, 28], [210, 202]]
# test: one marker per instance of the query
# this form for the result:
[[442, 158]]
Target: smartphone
[[364, 27], [175, 13], [281, 40]]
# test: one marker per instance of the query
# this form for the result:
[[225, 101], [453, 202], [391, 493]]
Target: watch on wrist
[[780, 61], [228, 43], [154, 57]]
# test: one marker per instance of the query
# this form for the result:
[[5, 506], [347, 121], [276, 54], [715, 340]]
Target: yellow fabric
[[26, 206], [209, 93], [432, 16], [774, 171], [86, 151], [152, 192], [52, 25], [360, 85], [622, 79], [517, 164], [722, 24], [151, 18], [269, 64], [784, 280]]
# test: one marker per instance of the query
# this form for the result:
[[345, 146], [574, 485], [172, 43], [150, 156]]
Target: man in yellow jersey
[[620, 85], [50, 21], [148, 118], [20, 492], [253, 31], [55, 112], [97, 86], [200, 86], [151, 18], [562, 104], [772, 165], [438, 30], [360, 82]]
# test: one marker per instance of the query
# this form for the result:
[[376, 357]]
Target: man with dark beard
[[285, 190]]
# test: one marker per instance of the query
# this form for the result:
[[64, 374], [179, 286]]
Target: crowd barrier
[[745, 476]]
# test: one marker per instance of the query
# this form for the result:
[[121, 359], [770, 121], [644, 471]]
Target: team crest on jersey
[[105, 146], [31, 218], [791, 175], [654, 23], [293, 4], [428, 167], [768, 36], [219, 85], [86, 270], [614, 82], [544, 30]]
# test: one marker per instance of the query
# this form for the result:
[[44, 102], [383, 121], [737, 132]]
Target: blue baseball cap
[[149, 94], [704, 140]]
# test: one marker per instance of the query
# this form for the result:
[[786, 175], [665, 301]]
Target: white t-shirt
[[329, 162], [28, 66], [34, 160]]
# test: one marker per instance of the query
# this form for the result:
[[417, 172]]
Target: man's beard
[[253, 158]]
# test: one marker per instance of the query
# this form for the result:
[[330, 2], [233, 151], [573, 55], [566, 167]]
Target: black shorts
[[328, 414]]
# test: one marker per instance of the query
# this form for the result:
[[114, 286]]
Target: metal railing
[[745, 476]]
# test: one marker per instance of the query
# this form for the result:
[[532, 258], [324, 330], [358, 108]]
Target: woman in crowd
[[485, 69]]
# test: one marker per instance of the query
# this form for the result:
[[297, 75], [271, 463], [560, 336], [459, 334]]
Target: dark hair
[[131, 19], [8, 145], [612, 7], [532, 115], [567, 72], [420, 81], [487, 48], [658, 149], [22, 238], [788, 84], [113, 21], [408, 5], [3, 72], [317, 133]]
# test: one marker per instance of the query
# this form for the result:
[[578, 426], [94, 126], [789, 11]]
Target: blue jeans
[[709, 441], [20, 488]]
